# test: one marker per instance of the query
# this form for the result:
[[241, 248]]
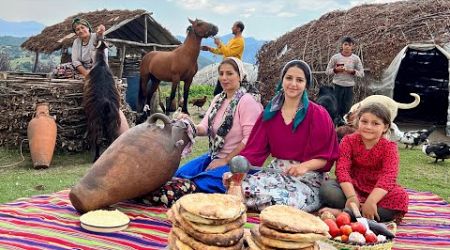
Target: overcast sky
[[264, 19]]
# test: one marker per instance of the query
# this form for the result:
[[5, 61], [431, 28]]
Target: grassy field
[[417, 171]]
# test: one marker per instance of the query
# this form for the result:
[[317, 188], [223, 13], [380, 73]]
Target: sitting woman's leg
[[193, 167], [331, 194]]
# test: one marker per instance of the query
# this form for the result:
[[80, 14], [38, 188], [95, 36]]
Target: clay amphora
[[139, 161], [41, 134]]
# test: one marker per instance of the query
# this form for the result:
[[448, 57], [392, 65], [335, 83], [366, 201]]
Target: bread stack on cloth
[[207, 222], [285, 227]]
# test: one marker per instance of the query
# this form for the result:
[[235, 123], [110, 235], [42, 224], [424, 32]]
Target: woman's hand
[[183, 116], [297, 170], [101, 29], [217, 163], [370, 210]]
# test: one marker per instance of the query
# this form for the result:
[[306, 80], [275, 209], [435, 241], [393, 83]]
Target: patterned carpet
[[50, 222]]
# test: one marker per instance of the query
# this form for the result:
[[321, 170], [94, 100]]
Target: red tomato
[[343, 219], [346, 229], [371, 238], [333, 228], [344, 238], [358, 227]]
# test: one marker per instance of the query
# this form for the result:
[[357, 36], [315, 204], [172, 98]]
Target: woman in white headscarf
[[227, 123]]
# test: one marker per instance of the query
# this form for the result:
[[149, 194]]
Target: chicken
[[440, 150], [417, 137], [199, 102]]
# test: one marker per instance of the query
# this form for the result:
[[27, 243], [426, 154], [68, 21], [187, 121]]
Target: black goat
[[327, 99], [101, 103]]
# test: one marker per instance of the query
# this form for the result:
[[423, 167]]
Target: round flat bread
[[229, 238], [274, 243], [171, 241], [210, 229], [293, 220], [185, 238], [200, 220], [251, 244], [298, 237], [213, 206]]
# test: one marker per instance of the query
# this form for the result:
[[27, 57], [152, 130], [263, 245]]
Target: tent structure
[[422, 69], [131, 31], [415, 31]]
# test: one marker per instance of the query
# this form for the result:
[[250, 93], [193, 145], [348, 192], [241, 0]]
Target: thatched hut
[[413, 31], [128, 30]]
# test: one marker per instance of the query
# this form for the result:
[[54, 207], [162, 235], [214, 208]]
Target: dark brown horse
[[173, 66]]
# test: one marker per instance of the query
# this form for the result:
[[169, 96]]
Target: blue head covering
[[277, 101]]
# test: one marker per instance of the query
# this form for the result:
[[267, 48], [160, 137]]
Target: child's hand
[[339, 69], [369, 210], [353, 199], [350, 71]]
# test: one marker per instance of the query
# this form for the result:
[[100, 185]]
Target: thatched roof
[[121, 25], [381, 31]]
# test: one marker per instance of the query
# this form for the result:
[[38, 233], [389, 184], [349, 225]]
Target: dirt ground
[[437, 136]]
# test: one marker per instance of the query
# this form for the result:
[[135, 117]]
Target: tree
[[4, 61]]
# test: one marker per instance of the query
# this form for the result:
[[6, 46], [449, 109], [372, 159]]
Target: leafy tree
[[4, 61]]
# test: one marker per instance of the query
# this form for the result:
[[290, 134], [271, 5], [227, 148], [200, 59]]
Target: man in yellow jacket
[[234, 47]]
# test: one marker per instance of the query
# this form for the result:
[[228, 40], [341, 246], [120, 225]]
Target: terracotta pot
[[41, 134], [139, 161]]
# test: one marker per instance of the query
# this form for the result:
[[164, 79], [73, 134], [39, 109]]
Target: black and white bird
[[416, 137], [439, 151]]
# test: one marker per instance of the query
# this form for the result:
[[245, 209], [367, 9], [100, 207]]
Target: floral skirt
[[266, 188], [169, 193]]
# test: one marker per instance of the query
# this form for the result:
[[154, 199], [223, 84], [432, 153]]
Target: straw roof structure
[[121, 25], [381, 31]]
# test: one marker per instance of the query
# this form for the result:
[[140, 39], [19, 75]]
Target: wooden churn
[[139, 161], [41, 134]]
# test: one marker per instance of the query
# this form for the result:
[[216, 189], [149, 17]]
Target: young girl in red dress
[[367, 170]]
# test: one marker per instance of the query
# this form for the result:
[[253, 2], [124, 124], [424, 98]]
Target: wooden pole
[[36, 61], [122, 61], [145, 30]]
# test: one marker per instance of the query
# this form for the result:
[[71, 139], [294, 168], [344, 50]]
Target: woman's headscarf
[[277, 101], [79, 20]]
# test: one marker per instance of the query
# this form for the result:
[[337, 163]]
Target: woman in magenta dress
[[367, 170], [300, 136]]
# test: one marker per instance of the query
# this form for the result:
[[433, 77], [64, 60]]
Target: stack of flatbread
[[285, 227], [207, 222]]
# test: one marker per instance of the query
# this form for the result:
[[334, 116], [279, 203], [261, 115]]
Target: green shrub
[[196, 91]]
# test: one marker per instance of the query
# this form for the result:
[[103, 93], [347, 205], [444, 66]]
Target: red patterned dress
[[372, 168]]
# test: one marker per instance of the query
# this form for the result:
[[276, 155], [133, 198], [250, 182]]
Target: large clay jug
[[41, 133], [139, 161]]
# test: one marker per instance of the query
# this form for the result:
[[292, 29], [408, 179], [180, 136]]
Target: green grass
[[417, 172]]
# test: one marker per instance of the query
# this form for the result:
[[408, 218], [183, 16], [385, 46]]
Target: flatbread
[[172, 241], [185, 238], [293, 220], [213, 206], [251, 244], [274, 243], [210, 229], [217, 239], [200, 220], [297, 237]]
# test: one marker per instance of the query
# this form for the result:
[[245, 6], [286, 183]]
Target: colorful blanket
[[50, 222]]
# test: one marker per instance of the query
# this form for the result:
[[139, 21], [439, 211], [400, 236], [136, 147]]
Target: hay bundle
[[381, 31], [18, 98]]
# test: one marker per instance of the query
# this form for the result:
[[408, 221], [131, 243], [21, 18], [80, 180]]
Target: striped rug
[[50, 222]]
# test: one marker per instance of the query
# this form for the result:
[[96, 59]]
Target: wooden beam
[[122, 61], [115, 40], [36, 61], [146, 28]]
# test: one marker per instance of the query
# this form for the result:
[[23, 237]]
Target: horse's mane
[[101, 102]]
